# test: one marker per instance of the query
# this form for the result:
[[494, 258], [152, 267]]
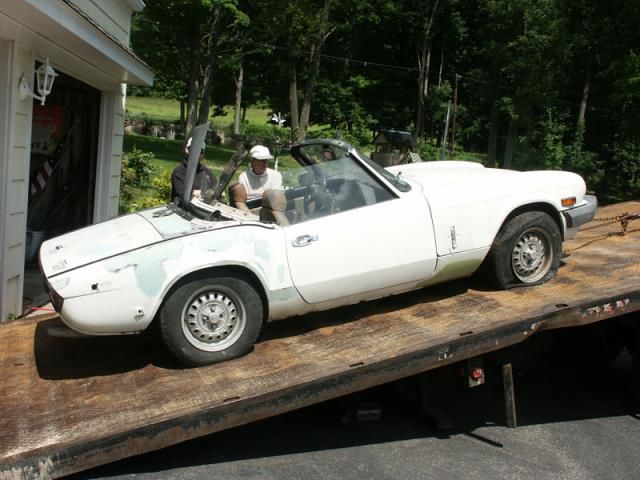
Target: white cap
[[189, 143], [260, 152]]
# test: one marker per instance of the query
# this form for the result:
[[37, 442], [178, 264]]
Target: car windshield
[[332, 177], [330, 157], [395, 180]]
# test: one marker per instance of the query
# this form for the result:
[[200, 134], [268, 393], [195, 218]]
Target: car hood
[[451, 183], [445, 174], [113, 237]]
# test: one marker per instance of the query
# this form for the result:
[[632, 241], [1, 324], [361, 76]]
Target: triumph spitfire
[[343, 230]]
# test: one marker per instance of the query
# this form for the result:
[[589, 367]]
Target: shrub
[[159, 194], [428, 151], [262, 133], [137, 169]]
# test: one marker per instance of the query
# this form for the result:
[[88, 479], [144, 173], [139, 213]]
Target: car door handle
[[304, 240]]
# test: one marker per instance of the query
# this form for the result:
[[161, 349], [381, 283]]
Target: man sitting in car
[[259, 177]]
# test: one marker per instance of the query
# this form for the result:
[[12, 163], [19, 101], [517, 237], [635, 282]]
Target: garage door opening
[[63, 163]]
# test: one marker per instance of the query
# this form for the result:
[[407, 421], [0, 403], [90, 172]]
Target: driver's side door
[[362, 250]]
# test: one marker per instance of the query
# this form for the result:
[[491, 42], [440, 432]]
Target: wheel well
[[537, 207], [235, 270]]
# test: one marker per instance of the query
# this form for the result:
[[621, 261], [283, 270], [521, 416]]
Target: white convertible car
[[342, 231]]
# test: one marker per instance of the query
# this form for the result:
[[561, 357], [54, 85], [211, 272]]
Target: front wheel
[[526, 251], [209, 320]]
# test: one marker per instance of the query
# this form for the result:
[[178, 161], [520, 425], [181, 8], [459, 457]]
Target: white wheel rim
[[213, 318], [532, 255]]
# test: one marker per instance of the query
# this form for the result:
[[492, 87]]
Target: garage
[[60, 150]]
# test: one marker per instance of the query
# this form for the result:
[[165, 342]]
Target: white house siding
[[111, 155], [114, 16], [16, 184]]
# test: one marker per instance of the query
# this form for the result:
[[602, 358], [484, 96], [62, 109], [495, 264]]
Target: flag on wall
[[41, 179]]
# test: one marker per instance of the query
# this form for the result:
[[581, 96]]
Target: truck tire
[[526, 251], [209, 320]]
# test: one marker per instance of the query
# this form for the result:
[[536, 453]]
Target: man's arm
[[177, 183]]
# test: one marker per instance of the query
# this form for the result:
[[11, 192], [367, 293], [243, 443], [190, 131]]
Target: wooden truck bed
[[69, 404]]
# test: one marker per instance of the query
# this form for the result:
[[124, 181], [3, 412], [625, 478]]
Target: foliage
[[264, 133], [158, 193], [551, 83], [428, 151], [136, 172]]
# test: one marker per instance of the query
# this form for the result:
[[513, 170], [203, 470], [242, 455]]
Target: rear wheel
[[209, 320], [527, 251]]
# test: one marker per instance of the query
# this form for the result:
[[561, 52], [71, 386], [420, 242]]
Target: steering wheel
[[308, 198], [317, 184]]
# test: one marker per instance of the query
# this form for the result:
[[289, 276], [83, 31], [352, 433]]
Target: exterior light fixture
[[45, 75]]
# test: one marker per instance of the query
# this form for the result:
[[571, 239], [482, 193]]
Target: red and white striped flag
[[38, 183]]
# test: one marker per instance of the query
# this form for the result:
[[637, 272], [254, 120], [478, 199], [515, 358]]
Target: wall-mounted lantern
[[45, 75]]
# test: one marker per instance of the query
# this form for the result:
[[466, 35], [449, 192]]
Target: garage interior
[[62, 176]]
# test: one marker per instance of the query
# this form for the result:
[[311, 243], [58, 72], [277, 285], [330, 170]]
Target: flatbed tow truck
[[70, 404]]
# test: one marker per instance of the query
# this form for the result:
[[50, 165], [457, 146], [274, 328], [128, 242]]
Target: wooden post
[[509, 396]]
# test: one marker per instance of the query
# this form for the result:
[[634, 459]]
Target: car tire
[[526, 251], [210, 320]]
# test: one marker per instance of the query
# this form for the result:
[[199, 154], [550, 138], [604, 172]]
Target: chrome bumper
[[580, 215]]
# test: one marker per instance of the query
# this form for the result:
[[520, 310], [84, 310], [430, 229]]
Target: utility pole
[[455, 110], [446, 132]]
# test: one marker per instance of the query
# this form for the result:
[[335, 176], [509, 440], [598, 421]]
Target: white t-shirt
[[257, 184]]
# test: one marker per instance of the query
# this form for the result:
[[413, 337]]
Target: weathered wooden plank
[[69, 404]]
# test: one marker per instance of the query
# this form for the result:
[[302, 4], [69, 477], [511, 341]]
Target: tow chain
[[624, 220]]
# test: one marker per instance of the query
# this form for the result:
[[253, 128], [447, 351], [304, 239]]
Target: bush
[[262, 133], [160, 193], [428, 151], [137, 169]]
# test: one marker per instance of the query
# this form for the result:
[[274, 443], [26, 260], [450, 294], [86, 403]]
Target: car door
[[362, 250]]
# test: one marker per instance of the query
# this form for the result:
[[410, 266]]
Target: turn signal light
[[568, 202]]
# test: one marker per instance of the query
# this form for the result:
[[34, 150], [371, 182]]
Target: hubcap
[[532, 255], [213, 319]]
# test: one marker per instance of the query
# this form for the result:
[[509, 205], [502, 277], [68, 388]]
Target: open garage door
[[62, 167]]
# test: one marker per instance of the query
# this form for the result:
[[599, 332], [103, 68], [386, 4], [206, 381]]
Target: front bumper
[[580, 215]]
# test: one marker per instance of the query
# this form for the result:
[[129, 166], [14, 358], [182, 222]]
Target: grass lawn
[[163, 109], [168, 153], [168, 111]]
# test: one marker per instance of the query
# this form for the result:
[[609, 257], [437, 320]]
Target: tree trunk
[[585, 95], [239, 82], [310, 84], [493, 136], [293, 94], [510, 146], [314, 66], [207, 80], [441, 66], [423, 69]]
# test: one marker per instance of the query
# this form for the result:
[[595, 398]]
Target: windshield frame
[[297, 151]]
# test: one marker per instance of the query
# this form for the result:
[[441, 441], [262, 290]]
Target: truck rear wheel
[[526, 251], [209, 320]]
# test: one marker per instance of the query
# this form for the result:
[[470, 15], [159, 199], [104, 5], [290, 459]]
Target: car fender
[[149, 273]]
